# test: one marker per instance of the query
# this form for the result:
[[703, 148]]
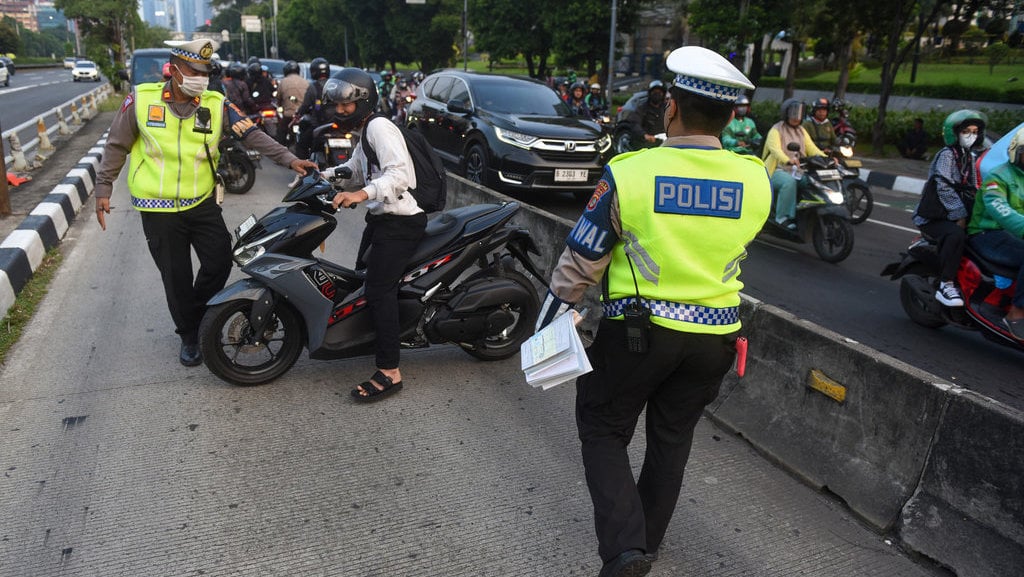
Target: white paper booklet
[[555, 354]]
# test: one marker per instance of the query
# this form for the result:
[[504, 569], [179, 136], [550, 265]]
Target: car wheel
[[474, 165]]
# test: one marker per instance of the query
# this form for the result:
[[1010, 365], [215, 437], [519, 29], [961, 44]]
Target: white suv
[[5, 77]]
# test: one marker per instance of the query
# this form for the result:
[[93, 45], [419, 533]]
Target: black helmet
[[319, 68], [254, 70], [291, 67], [236, 70], [351, 85], [216, 70], [792, 109], [820, 103], [578, 84], [253, 60]]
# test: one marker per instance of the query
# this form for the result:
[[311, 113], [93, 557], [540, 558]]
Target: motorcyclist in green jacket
[[741, 135], [996, 230]]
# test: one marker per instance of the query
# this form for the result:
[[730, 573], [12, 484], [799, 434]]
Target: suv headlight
[[604, 143], [515, 138]]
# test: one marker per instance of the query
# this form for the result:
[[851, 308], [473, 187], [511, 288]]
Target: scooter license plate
[[245, 227], [830, 174], [570, 175], [339, 142]]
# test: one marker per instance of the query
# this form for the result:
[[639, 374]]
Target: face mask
[[967, 139], [657, 98], [741, 111], [193, 85]]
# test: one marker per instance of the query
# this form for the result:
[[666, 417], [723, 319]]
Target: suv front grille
[[582, 156]]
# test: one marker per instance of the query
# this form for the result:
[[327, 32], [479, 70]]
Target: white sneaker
[[949, 295]]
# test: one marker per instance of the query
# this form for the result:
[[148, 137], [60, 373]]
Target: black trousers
[[171, 237], [679, 375], [388, 242], [951, 240]]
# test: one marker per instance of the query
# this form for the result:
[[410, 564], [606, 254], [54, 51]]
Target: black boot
[[190, 355]]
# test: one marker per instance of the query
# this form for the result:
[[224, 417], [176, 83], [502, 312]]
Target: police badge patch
[[156, 116]]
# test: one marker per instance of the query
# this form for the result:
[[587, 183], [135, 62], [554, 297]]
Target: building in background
[[182, 16], [22, 11]]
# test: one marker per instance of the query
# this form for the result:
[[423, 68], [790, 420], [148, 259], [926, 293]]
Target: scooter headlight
[[835, 197], [245, 254], [846, 151]]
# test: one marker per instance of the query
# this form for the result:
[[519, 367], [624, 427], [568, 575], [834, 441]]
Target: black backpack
[[431, 183]]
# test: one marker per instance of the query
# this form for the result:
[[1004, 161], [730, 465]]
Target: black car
[[509, 132]]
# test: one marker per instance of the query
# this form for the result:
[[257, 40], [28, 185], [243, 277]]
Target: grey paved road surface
[[118, 461]]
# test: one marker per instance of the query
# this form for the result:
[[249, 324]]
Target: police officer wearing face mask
[[172, 130], [666, 230]]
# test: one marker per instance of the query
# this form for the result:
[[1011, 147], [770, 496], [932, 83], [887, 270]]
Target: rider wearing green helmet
[[948, 197]]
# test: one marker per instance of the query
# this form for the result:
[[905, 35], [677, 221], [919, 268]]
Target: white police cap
[[706, 73], [197, 53]]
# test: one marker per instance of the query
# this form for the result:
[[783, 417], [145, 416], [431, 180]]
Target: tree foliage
[[8, 36]]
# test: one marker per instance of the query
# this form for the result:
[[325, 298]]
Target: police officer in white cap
[[666, 229], [172, 131]]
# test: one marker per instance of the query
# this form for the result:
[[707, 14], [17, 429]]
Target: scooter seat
[[989, 267], [446, 227]]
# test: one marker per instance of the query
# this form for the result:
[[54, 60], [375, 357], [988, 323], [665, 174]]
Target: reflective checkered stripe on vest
[[158, 182], [687, 215]]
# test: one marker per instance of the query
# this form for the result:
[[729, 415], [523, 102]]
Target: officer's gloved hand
[[551, 309]]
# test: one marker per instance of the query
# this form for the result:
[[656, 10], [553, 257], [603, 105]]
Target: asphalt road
[[37, 91], [852, 299]]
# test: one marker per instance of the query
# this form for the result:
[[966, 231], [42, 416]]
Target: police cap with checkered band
[[706, 73]]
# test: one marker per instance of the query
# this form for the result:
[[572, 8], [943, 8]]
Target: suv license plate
[[570, 175], [339, 142], [246, 225]]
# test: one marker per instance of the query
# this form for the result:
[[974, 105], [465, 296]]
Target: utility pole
[[611, 57]]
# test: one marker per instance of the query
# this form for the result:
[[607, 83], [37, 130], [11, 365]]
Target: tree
[[888, 20], [996, 53], [531, 36], [8, 36], [105, 25], [732, 25]]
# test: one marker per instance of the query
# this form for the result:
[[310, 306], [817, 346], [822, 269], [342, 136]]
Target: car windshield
[[85, 65], [517, 97], [148, 68]]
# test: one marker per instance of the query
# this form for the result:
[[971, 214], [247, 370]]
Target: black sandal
[[366, 392]]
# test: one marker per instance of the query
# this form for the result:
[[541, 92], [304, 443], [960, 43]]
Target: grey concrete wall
[[934, 464]]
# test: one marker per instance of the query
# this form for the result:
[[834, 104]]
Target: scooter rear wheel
[[506, 343], [239, 175], [234, 353], [916, 296], [832, 238]]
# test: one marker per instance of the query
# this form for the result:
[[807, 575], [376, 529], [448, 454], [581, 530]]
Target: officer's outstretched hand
[[302, 165], [102, 209]]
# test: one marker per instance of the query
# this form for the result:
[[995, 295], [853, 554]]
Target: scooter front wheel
[[859, 201], [234, 352], [833, 238]]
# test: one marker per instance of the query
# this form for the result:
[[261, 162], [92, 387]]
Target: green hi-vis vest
[[687, 216], [169, 171]]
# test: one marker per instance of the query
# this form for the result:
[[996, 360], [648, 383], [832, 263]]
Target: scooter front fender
[[244, 289]]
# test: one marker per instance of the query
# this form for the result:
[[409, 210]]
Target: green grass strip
[[27, 301]]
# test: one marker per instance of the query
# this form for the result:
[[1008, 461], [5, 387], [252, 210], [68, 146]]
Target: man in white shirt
[[394, 222]]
